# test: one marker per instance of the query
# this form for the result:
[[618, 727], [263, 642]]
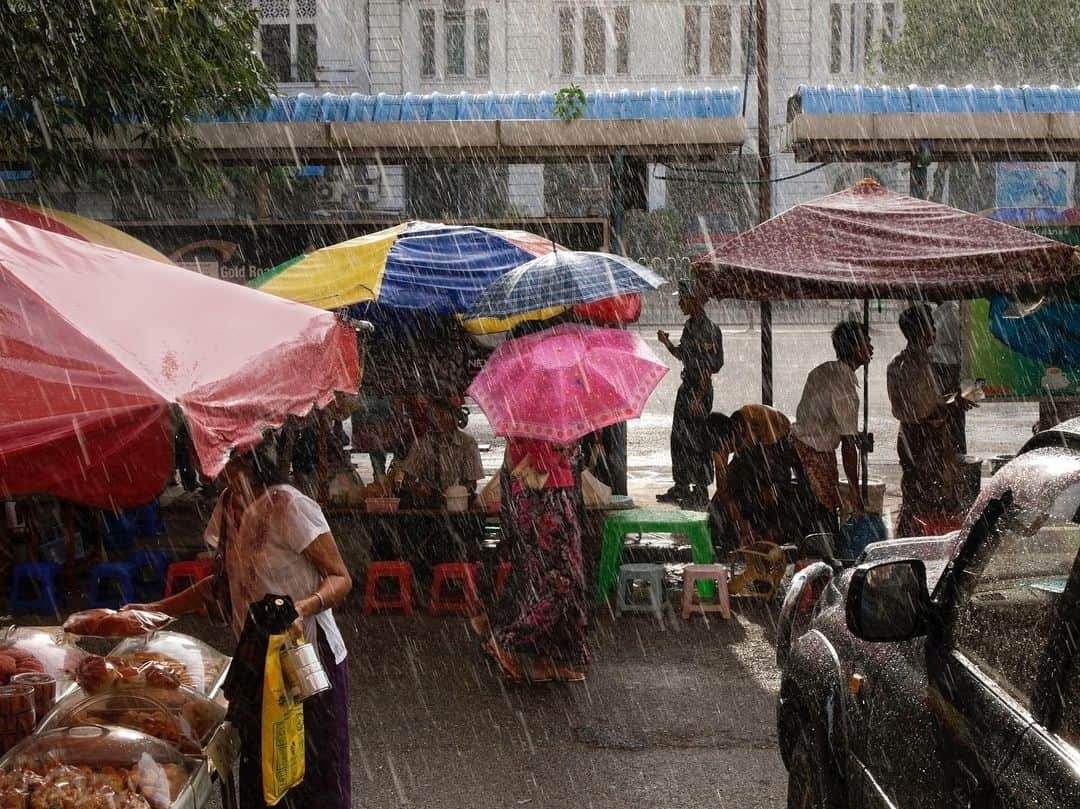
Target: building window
[[307, 58], [456, 36], [275, 52], [566, 41], [481, 47], [454, 25], [836, 38], [868, 32], [622, 39], [720, 40], [692, 46], [595, 50], [748, 38], [427, 43], [288, 40], [888, 23]]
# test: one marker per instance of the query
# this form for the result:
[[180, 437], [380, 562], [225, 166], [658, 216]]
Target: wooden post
[[764, 183]]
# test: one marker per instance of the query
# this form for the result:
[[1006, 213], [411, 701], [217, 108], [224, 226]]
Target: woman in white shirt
[[275, 540]]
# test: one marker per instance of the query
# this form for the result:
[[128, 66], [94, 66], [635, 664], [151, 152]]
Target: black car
[[945, 671]]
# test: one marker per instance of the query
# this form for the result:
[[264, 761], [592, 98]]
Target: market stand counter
[[429, 536]]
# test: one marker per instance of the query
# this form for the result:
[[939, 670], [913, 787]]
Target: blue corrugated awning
[[624, 105], [896, 123], [884, 100]]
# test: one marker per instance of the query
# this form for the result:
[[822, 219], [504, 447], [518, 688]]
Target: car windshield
[[1015, 620]]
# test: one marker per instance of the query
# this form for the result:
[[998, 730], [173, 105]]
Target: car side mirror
[[888, 601]]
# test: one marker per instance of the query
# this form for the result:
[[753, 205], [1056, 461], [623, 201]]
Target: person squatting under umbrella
[[701, 351], [269, 538], [925, 444], [761, 492], [827, 417]]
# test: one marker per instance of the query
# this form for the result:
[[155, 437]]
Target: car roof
[[1066, 434]]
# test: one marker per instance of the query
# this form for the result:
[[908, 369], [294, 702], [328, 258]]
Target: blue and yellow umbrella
[[415, 267]]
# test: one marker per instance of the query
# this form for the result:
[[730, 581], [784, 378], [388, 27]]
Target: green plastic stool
[[694, 524]]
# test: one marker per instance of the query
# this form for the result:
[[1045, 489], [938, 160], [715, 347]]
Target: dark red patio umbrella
[[869, 242], [100, 348]]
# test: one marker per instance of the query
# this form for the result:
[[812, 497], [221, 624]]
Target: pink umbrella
[[564, 383]]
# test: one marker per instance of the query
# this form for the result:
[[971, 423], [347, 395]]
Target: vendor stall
[[869, 242]]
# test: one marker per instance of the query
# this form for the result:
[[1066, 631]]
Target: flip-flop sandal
[[507, 665], [569, 675]]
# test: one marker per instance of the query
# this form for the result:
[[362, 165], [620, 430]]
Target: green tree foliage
[[1008, 42], [73, 71]]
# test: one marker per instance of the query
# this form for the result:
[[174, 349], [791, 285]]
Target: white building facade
[[451, 46]]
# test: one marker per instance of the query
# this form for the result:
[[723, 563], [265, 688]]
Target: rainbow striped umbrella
[[417, 267], [78, 227]]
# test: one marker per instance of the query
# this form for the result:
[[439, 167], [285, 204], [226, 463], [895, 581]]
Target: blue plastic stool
[[149, 520], [39, 578], [102, 575], [151, 566], [119, 531], [635, 578]]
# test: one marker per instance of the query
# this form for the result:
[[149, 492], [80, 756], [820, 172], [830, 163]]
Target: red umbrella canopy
[[97, 346], [869, 242]]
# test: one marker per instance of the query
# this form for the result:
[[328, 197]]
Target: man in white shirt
[[828, 417]]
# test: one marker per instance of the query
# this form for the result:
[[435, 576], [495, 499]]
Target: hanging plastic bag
[[282, 729]]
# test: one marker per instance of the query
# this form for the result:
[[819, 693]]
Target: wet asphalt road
[[673, 714]]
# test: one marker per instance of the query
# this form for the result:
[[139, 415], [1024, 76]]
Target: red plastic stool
[[500, 577], [402, 572], [455, 572], [187, 573]]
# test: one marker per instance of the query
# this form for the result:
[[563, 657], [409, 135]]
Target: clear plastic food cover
[[105, 623], [78, 766], [198, 665], [25, 649], [180, 717]]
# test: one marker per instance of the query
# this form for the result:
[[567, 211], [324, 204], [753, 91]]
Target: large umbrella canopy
[[78, 227], [563, 278], [563, 383], [868, 242], [98, 347], [416, 266]]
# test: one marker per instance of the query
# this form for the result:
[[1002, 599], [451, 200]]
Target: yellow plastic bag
[[282, 730]]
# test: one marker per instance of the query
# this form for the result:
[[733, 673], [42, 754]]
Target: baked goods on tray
[[105, 623]]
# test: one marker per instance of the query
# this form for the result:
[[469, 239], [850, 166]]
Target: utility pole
[[764, 184]]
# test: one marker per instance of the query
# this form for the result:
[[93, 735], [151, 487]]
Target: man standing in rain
[[828, 417], [928, 460], [701, 351]]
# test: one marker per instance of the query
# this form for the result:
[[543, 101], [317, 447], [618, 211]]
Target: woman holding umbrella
[[542, 613], [546, 391]]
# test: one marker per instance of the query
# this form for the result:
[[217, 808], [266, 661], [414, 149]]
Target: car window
[[1007, 607]]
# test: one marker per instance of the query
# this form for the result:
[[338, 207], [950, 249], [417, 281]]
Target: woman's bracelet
[[322, 603]]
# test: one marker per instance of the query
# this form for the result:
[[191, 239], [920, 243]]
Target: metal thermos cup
[[303, 671]]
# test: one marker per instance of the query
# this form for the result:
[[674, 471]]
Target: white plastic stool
[[691, 601], [636, 576]]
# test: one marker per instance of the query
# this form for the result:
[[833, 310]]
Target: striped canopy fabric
[[77, 227], [421, 267], [563, 278]]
